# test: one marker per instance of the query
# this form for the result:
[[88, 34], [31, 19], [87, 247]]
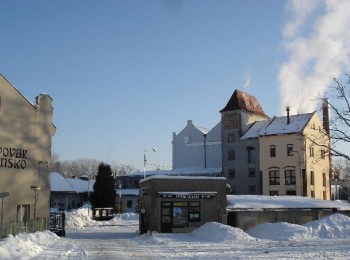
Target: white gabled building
[[197, 147]]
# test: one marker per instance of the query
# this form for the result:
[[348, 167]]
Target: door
[[166, 218]]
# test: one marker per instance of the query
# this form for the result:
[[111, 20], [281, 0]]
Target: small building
[[127, 185], [68, 193], [179, 204], [247, 211], [126, 200]]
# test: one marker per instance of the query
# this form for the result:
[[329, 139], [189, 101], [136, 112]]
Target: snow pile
[[77, 219], [82, 217], [217, 232], [28, 245], [335, 226], [279, 231]]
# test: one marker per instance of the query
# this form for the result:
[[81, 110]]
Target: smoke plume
[[317, 41]]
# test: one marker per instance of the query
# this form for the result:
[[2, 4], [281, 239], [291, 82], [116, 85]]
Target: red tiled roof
[[240, 100]]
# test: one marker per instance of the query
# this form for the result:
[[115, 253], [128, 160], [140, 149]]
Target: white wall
[[188, 147]]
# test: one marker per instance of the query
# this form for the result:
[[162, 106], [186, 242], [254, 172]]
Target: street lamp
[[36, 190], [145, 160]]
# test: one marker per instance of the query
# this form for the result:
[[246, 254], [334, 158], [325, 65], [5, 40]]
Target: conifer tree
[[104, 192]]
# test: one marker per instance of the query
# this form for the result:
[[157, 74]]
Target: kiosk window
[[194, 211], [180, 214]]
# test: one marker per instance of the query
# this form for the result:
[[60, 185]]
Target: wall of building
[[301, 161], [243, 182], [25, 151], [317, 160], [189, 149], [248, 219]]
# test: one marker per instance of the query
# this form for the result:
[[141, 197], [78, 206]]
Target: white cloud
[[317, 40]]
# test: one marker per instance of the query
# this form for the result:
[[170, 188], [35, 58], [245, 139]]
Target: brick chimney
[[325, 115], [288, 118]]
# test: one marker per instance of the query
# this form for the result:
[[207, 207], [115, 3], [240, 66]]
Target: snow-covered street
[[118, 238]]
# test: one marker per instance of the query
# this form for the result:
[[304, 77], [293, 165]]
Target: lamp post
[[145, 160], [120, 197], [88, 197], [205, 150], [36, 190]]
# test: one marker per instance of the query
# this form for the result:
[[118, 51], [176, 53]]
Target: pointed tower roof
[[243, 101]]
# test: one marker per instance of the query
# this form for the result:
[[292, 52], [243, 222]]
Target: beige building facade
[[26, 131], [290, 162]]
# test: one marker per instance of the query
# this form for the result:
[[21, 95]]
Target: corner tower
[[240, 158]]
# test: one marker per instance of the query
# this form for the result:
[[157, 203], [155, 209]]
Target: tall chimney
[[288, 118], [325, 115]]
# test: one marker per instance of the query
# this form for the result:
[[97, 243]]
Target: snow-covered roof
[[202, 129], [260, 202], [61, 184], [254, 130], [180, 172], [279, 126], [168, 177], [81, 185], [128, 192]]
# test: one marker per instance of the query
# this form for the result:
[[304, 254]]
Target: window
[[290, 177], [274, 193], [324, 179], [272, 151], [129, 204], [231, 173], [231, 155], [136, 184], [289, 150], [231, 138], [194, 212], [324, 195], [252, 189], [323, 154], [180, 214], [311, 151], [250, 154], [274, 177], [312, 178], [251, 173]]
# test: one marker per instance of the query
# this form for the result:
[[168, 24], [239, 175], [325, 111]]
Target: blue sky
[[125, 75]]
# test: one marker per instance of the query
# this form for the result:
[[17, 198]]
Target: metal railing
[[14, 228]]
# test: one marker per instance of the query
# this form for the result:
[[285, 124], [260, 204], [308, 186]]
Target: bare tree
[[342, 168], [338, 101], [84, 167]]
